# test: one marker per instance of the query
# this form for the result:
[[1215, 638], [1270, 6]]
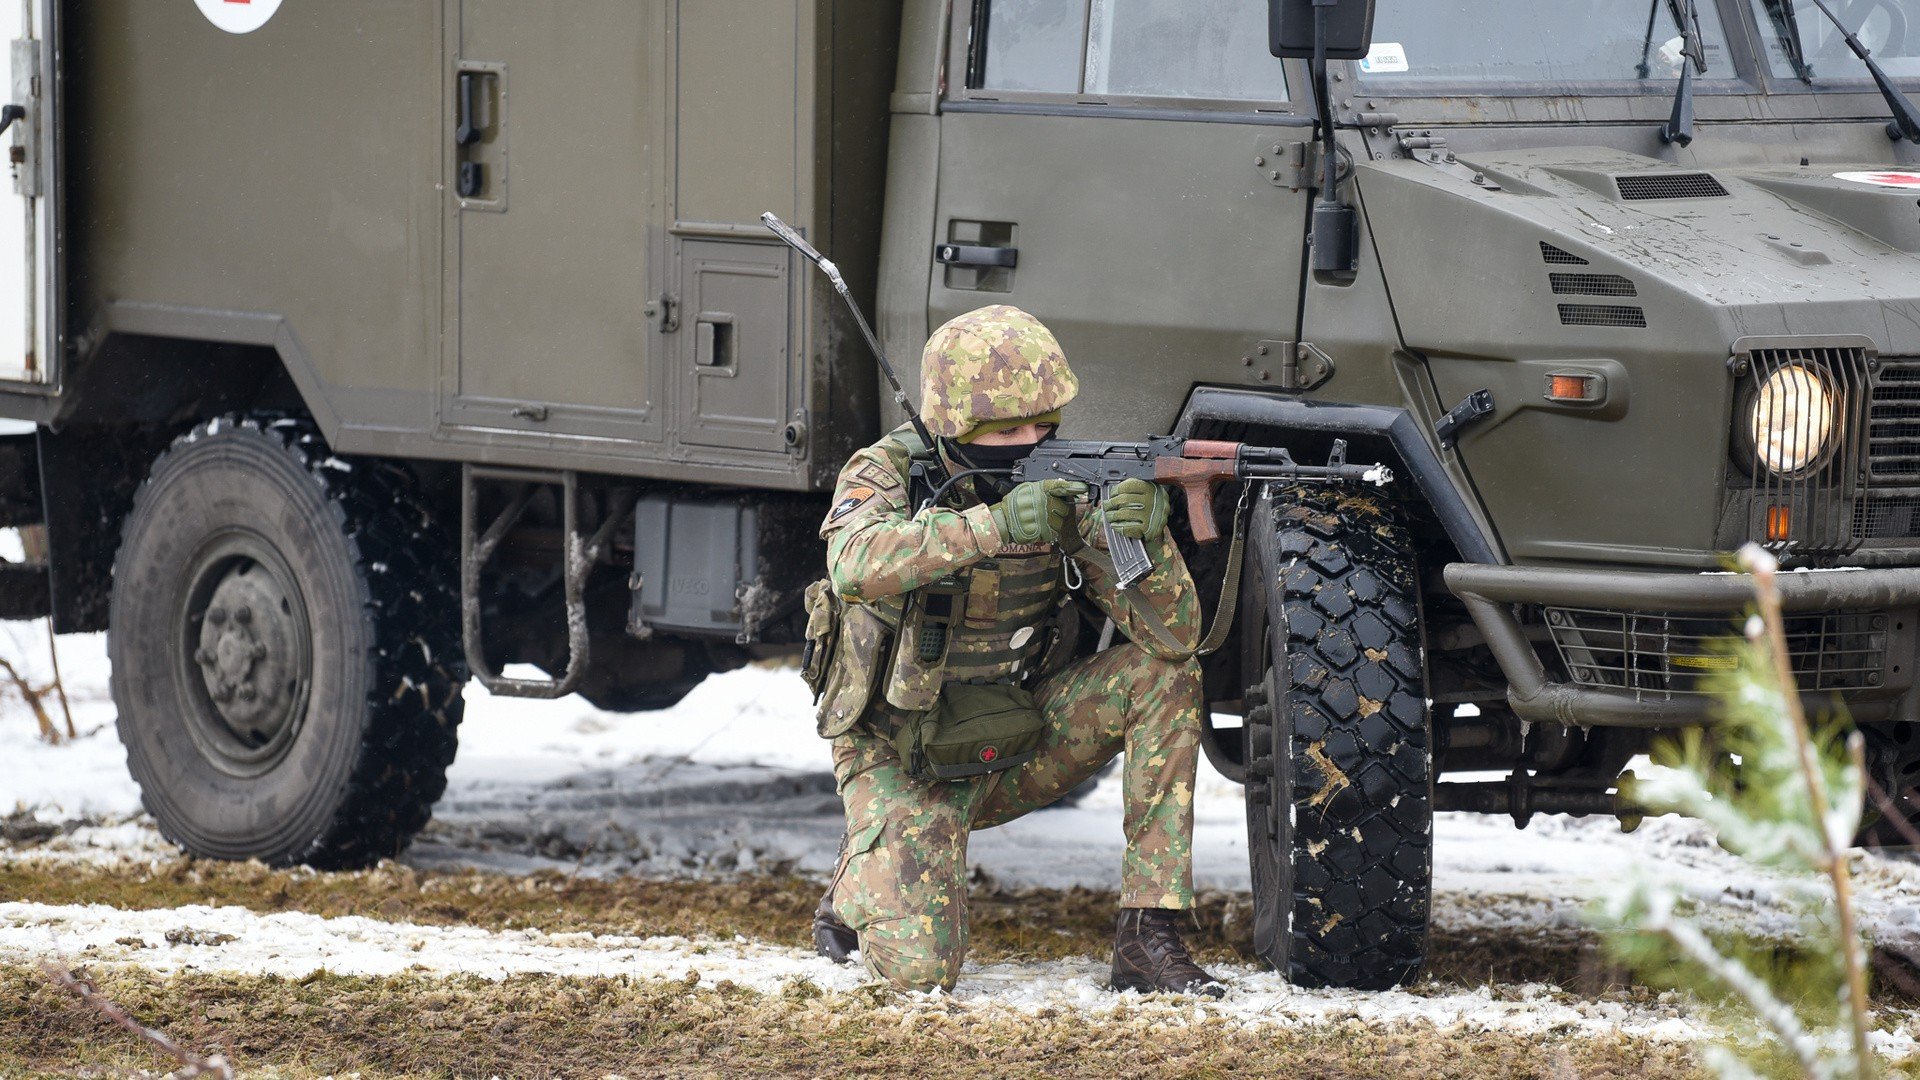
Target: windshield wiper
[[1786, 27], [1906, 119], [1693, 54]]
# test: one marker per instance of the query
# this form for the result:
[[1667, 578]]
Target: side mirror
[[1290, 26]]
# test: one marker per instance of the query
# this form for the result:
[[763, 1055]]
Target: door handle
[[467, 128], [976, 256], [9, 114], [713, 348]]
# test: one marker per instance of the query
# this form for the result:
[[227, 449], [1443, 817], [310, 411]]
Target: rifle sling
[[1224, 611]]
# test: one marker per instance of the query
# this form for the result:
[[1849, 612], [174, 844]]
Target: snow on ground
[[734, 779], [292, 945]]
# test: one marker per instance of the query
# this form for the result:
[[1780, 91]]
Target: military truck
[[376, 347]]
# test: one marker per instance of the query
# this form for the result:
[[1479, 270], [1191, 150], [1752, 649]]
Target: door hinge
[[1288, 365], [1289, 165], [665, 310], [1477, 406]]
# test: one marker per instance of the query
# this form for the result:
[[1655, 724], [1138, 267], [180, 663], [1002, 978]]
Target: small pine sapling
[[1785, 795]]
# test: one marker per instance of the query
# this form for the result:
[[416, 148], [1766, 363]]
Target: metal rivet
[[1262, 350], [1247, 360], [1261, 160], [1264, 376]]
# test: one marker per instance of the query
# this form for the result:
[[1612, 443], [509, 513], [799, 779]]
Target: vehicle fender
[[1373, 424]]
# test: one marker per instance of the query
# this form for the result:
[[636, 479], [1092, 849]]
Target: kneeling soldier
[[942, 647]]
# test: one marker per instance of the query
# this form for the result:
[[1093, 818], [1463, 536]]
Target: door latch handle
[[976, 256], [9, 115], [1477, 406], [467, 129]]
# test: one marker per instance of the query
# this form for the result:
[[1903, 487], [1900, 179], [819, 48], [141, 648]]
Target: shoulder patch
[[855, 499], [877, 476]]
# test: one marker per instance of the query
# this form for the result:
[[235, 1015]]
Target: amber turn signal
[[1779, 523], [1575, 388]]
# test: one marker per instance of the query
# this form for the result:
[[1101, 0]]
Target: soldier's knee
[[911, 965], [1173, 679]]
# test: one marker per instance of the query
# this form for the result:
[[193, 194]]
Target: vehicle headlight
[[1794, 417]]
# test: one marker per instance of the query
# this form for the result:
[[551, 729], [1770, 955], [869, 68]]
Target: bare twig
[[59, 684], [32, 696], [191, 1064], [1834, 856]]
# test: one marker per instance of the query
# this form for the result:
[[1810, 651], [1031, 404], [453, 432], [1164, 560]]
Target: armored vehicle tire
[[284, 651], [1339, 797]]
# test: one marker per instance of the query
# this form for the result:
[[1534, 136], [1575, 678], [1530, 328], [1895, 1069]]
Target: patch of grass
[[409, 1026], [1025, 924]]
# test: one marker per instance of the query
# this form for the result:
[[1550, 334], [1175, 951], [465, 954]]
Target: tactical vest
[[1002, 619]]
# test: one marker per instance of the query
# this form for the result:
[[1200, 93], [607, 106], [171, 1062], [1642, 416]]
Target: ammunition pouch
[[973, 729], [843, 657]]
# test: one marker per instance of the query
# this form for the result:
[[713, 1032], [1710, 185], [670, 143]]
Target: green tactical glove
[[1137, 508], [1035, 512]]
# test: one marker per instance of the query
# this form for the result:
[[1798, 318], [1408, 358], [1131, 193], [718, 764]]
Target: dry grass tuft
[[540, 1026]]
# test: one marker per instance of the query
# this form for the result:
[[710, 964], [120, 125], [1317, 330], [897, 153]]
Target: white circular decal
[[238, 16], [1893, 178]]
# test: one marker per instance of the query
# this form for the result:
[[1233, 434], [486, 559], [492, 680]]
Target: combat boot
[[832, 938], [1149, 956]]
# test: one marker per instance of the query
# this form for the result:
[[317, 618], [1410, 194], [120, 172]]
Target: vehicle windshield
[[1515, 43], [1890, 29]]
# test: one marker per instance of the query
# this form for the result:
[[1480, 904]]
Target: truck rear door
[[30, 325]]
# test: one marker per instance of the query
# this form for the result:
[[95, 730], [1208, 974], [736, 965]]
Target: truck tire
[[284, 646], [1893, 765], [1339, 796]]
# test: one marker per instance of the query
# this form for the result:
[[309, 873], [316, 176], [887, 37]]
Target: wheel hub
[[253, 656]]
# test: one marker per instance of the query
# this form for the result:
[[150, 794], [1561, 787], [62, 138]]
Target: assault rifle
[[1196, 466]]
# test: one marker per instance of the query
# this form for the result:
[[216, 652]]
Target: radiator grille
[[1670, 186], [1664, 655], [1602, 315], [1592, 285], [1891, 508], [1812, 510]]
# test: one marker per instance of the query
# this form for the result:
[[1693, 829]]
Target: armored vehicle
[[376, 347]]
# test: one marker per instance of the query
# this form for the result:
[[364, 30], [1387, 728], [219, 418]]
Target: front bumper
[[1629, 647]]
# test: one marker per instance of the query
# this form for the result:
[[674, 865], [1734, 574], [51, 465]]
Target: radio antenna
[[793, 240]]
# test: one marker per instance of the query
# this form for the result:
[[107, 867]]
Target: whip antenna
[[793, 240]]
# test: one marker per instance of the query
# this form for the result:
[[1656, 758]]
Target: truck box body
[[602, 296]]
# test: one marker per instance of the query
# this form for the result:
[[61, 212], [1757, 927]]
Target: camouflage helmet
[[993, 365]]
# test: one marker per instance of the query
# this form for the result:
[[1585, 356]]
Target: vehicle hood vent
[[1671, 185], [1590, 283], [1559, 257]]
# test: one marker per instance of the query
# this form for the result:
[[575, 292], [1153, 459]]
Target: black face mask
[[982, 456]]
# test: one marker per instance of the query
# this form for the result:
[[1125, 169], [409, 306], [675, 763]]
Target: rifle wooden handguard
[[1206, 466]]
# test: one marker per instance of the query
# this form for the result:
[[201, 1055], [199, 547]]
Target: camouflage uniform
[[902, 880]]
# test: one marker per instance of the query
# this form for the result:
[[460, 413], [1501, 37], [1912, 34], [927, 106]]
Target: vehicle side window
[[1035, 44], [1211, 50]]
